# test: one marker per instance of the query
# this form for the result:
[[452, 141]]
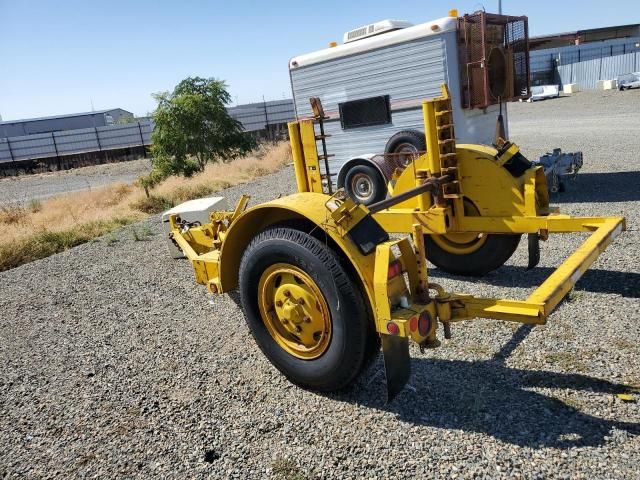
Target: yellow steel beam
[[532, 224], [522, 311], [310, 151], [433, 151], [547, 296], [562, 280], [298, 157]]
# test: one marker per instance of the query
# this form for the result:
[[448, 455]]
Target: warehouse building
[[58, 123], [585, 57], [265, 119]]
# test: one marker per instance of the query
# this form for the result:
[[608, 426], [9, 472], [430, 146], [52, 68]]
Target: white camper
[[372, 87]]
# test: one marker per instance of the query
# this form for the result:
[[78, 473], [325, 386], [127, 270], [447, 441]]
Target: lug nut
[[278, 303], [298, 328], [287, 293], [301, 301], [307, 319], [284, 320]]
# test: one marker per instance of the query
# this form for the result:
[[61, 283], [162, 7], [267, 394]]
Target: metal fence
[[68, 142], [585, 64], [262, 115]]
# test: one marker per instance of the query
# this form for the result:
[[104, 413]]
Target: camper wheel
[[364, 184], [406, 146]]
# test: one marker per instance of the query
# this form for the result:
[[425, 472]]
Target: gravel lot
[[115, 363], [43, 185]]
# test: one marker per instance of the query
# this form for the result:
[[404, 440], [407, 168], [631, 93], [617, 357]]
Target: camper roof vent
[[372, 29]]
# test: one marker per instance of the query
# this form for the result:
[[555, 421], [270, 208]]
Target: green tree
[[193, 127]]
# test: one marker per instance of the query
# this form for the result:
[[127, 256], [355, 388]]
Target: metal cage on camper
[[494, 59]]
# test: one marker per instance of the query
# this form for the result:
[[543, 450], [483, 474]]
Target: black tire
[[351, 338], [491, 255], [410, 141], [364, 184]]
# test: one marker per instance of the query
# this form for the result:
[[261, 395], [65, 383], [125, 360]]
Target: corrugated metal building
[[265, 118], [585, 56], [58, 123]]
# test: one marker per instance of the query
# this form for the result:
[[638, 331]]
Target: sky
[[72, 56]]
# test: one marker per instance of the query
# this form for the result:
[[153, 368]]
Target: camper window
[[365, 112]]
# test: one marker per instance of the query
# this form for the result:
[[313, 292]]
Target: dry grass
[[42, 228]]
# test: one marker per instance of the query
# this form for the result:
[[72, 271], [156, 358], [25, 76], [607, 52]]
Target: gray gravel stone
[[114, 363]]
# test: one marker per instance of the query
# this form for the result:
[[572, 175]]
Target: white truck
[[373, 84]]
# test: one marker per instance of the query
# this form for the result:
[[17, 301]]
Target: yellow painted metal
[[522, 224], [420, 257], [345, 212], [298, 157], [432, 156], [434, 220], [310, 150], [562, 280], [464, 242], [301, 207], [218, 268], [382, 308], [489, 200], [294, 311], [508, 154], [486, 184]]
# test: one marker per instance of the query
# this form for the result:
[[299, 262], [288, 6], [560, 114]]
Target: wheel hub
[[362, 186], [294, 311], [406, 153]]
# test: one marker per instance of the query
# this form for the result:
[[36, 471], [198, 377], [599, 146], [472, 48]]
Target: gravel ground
[[115, 364], [23, 188]]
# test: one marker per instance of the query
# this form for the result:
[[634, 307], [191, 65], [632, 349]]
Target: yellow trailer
[[323, 285]]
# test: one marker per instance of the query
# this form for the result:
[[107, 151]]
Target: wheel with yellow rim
[[304, 310], [470, 254]]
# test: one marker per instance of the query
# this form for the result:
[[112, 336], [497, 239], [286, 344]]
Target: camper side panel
[[407, 72]]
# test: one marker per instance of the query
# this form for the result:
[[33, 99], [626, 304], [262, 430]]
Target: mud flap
[[534, 250], [397, 364]]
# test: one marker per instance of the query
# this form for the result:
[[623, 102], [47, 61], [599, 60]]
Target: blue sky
[[60, 56]]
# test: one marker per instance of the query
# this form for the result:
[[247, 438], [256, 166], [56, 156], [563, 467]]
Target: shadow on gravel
[[626, 284], [601, 187], [491, 398]]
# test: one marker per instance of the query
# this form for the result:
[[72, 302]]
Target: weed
[[45, 242], [286, 469], [63, 221], [189, 192], [111, 239], [574, 295], [141, 232], [34, 205], [12, 214], [152, 204]]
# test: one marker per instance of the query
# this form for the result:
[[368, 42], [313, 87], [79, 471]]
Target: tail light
[[395, 269]]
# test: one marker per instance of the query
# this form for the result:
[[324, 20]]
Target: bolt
[[301, 301], [307, 319], [298, 328], [287, 293], [278, 303]]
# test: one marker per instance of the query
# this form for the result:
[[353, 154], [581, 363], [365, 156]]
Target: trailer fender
[[306, 207]]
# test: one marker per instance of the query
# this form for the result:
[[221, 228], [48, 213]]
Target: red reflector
[[424, 324], [393, 328], [413, 324], [395, 269]]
